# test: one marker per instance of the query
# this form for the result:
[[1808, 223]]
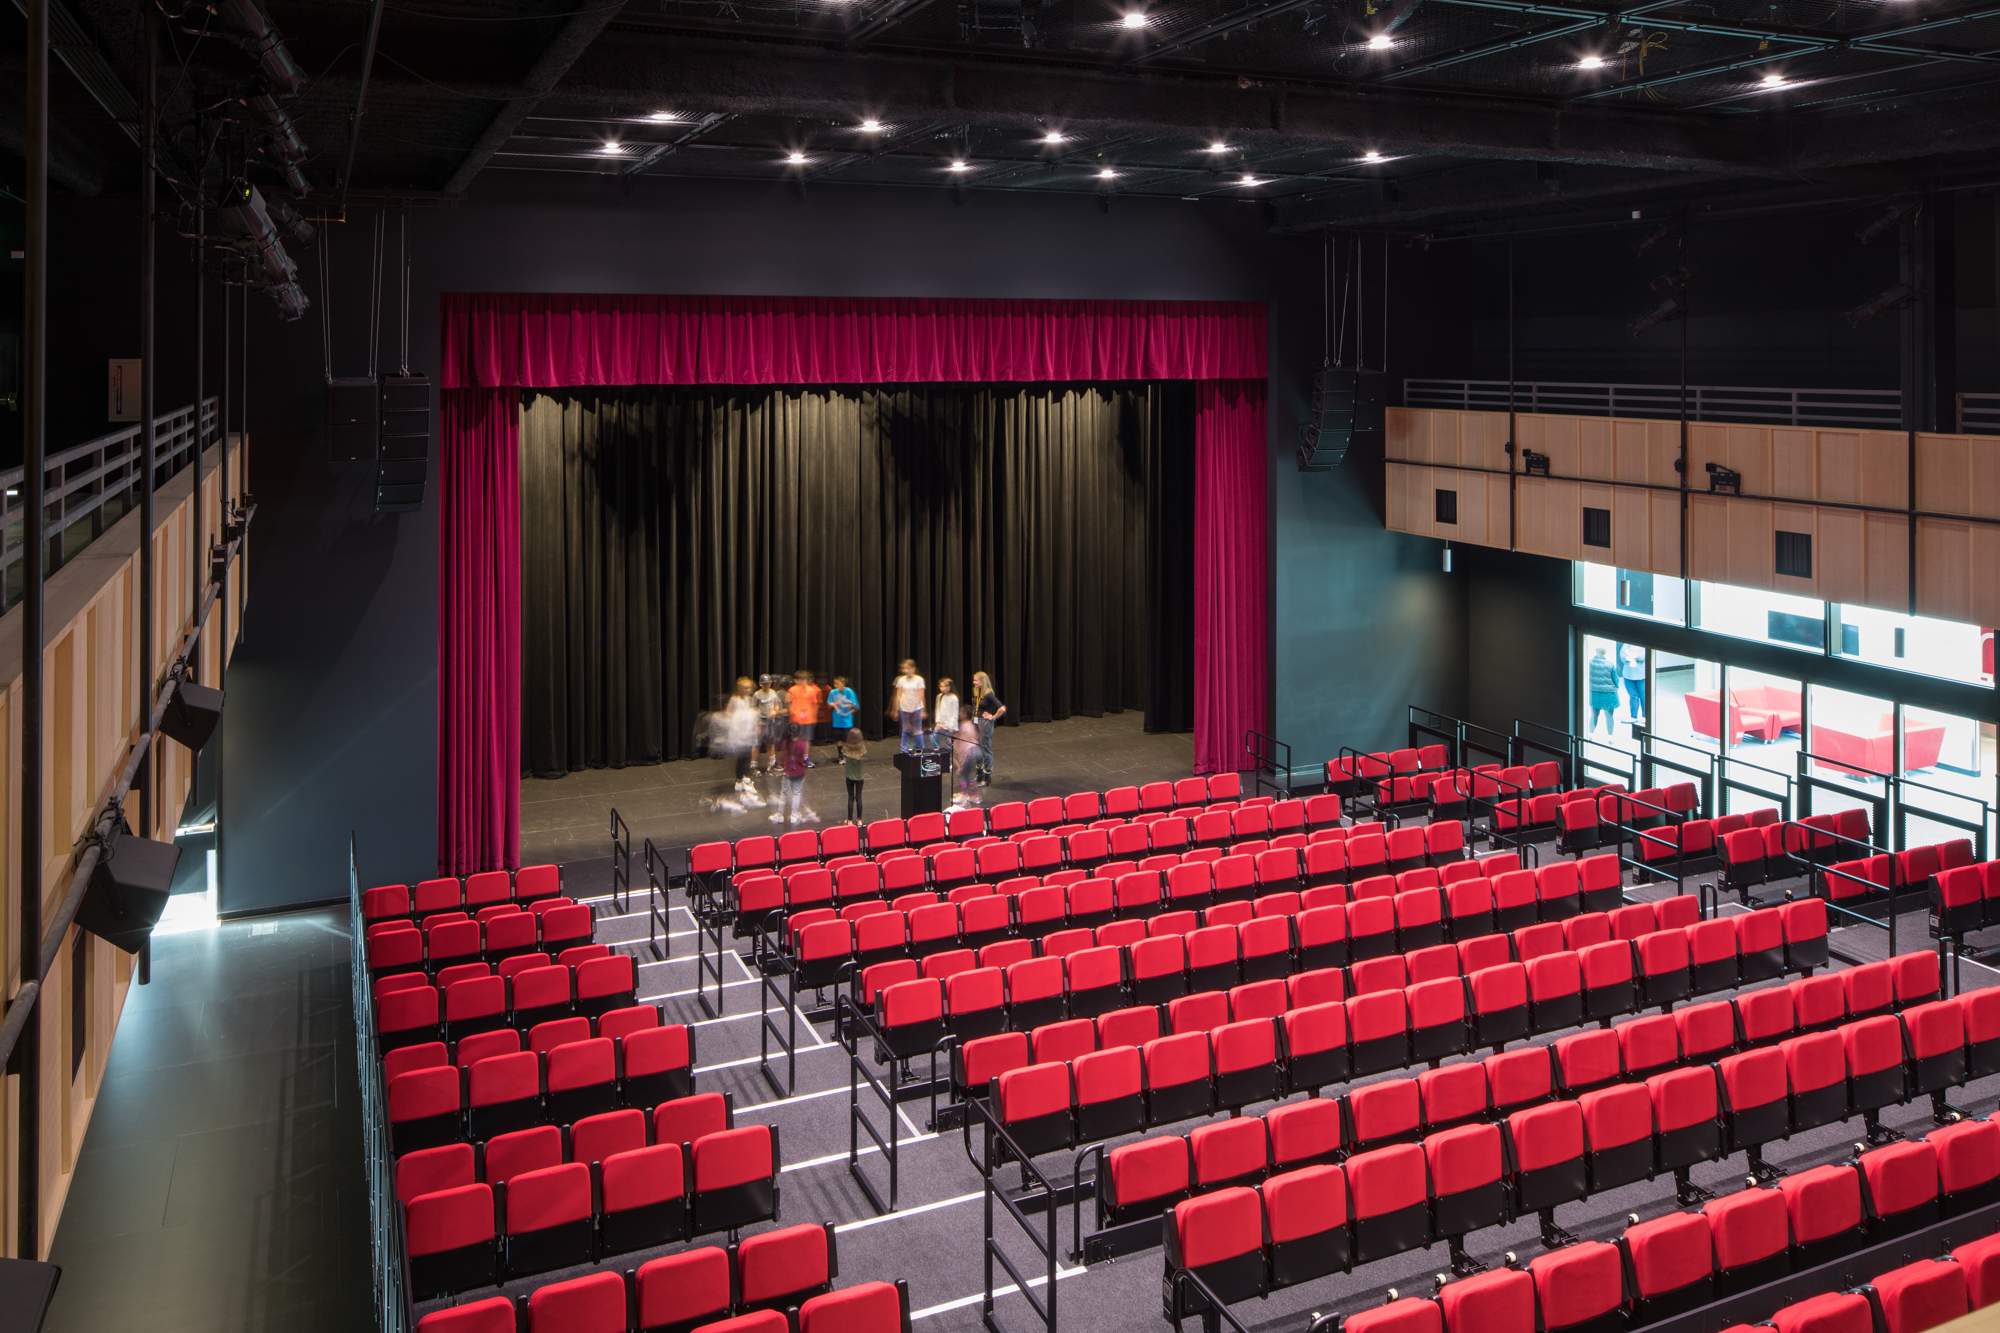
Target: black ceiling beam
[[1217, 27], [1878, 39], [577, 33], [1706, 69], [1529, 37], [868, 26], [640, 72]]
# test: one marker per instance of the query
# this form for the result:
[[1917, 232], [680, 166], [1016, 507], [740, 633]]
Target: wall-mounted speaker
[[192, 712], [404, 464], [1345, 403], [128, 890]]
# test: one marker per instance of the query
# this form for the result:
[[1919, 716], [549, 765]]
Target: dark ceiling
[[1409, 115]]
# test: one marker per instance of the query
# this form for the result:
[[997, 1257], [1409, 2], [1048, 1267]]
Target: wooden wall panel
[[1959, 474], [1955, 564], [1885, 471], [92, 712], [1795, 459], [1708, 538], [1888, 575]]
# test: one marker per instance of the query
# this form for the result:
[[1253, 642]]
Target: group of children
[[769, 732]]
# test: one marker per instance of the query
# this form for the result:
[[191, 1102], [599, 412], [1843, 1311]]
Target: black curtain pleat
[[677, 538]]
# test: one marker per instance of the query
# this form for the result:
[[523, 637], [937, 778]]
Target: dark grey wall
[[333, 695]]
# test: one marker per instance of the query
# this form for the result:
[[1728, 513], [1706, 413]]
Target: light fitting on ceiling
[[871, 126], [663, 115], [1218, 148], [1251, 180], [796, 159], [1134, 19], [1053, 136], [1591, 62], [958, 166], [1773, 81], [1379, 42], [1371, 156], [1106, 174]]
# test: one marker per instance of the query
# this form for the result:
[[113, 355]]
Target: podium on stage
[[923, 780]]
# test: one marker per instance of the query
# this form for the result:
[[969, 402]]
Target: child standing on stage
[[795, 759], [843, 703], [803, 700], [852, 751], [909, 695], [947, 712]]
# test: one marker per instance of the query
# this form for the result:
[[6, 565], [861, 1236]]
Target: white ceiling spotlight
[[609, 148], [871, 127], [1218, 147], [1106, 174], [1251, 180], [796, 159], [1053, 136], [1773, 81], [1591, 62], [1379, 42], [663, 115], [1371, 156], [1134, 19], [958, 166]]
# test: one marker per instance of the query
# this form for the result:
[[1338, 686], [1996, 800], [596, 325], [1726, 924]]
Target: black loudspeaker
[[1345, 403], [405, 444], [128, 890], [353, 419], [191, 714]]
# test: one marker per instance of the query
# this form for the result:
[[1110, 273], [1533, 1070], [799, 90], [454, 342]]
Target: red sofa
[[1763, 711], [1875, 751]]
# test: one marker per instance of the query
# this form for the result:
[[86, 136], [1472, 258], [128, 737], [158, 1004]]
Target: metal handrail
[[1705, 402], [1266, 757], [621, 863], [393, 1308], [659, 937], [996, 1132]]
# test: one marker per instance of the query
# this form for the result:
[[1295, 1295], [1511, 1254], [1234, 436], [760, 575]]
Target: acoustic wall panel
[[1955, 564], [1959, 474]]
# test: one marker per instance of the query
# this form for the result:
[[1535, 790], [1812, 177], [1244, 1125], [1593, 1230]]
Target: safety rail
[[1650, 763], [1878, 806], [1809, 834], [1264, 751], [1621, 766], [1490, 806], [1881, 409], [771, 964], [1216, 1309], [659, 937], [621, 863], [1979, 413], [1901, 813], [1445, 729], [987, 1163], [853, 1026], [385, 1215], [1675, 819], [1563, 752], [1104, 1242], [713, 904]]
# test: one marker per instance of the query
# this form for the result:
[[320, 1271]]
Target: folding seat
[[1875, 1073], [1558, 890], [1852, 882], [1519, 1078], [1371, 927], [684, 1291], [1957, 901], [1039, 911], [1588, 1060], [1467, 1184], [1034, 993], [1580, 1288], [1980, 1259], [1204, 1011], [1390, 1193], [1816, 1068], [582, 1079], [1169, 834], [1514, 902], [1764, 1016], [1919, 1296], [394, 946], [432, 896], [996, 861], [1064, 1041], [1378, 974], [475, 1005], [1760, 945], [1230, 879], [1405, 848], [1899, 1188], [1835, 1312], [1159, 969], [1379, 1031], [1869, 989], [451, 942], [975, 1003], [1982, 1030], [1257, 999], [1821, 1002], [1671, 1260], [956, 866], [1711, 947], [389, 902], [1618, 1132], [1322, 937], [1586, 928], [577, 955], [1824, 1204], [1917, 978], [735, 1179], [504, 1093], [1469, 908], [1264, 947], [510, 935], [1108, 1085], [549, 1221], [1805, 934], [911, 1019], [1555, 992], [1687, 1117], [604, 984], [1968, 1158], [1934, 1034], [1316, 1046], [1484, 951], [1437, 963], [1380, 1114], [1500, 1007], [1549, 1157], [933, 928], [1231, 1153], [1325, 864], [1246, 1063], [1180, 1082], [1450, 800], [1219, 1238], [1539, 941], [1665, 964], [1367, 854], [1453, 1095], [1499, 1301], [782, 1269], [1276, 904], [545, 1037], [1648, 1045], [1144, 1179], [425, 1109], [539, 995], [1213, 962], [1609, 978], [1189, 888], [1438, 1019], [449, 1235]]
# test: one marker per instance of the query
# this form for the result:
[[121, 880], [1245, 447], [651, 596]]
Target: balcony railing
[[1877, 409]]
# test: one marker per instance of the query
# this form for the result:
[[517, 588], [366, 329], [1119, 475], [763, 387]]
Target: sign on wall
[[124, 388]]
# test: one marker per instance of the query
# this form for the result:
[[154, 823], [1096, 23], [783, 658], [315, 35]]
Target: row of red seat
[[574, 1213], [495, 1090], [1967, 898], [1655, 1270], [1848, 879], [409, 1011], [1480, 992], [653, 1299], [450, 938], [488, 888], [1219, 1185]]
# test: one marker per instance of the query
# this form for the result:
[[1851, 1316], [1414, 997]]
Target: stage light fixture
[[1773, 81], [1379, 42], [1053, 136], [958, 166], [609, 148], [1371, 156], [1447, 557], [1218, 147], [1906, 209], [1134, 19], [662, 115], [1591, 62], [796, 159], [192, 712], [871, 126], [1250, 180], [1665, 311], [1676, 279], [1106, 174], [1894, 299], [1653, 238]]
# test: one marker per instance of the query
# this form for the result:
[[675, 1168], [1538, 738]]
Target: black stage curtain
[[674, 539]]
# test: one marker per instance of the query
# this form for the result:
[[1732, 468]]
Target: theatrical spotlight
[[246, 218], [128, 889], [1664, 230], [1894, 299], [1675, 280], [252, 30], [1667, 310], [192, 712], [1907, 209]]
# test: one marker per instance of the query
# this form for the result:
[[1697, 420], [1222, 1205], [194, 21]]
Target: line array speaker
[[1345, 403], [404, 465]]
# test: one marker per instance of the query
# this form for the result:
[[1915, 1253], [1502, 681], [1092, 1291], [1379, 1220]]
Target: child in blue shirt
[[843, 703]]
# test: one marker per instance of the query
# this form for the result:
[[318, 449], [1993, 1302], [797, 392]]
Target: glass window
[[1614, 692], [1631, 592], [1766, 724], [1948, 762], [1852, 743], [1686, 695], [1915, 643], [1767, 617]]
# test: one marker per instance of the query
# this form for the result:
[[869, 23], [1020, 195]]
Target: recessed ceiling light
[[958, 166], [1591, 62], [1134, 19], [1250, 180], [1218, 147], [1053, 136], [871, 126], [609, 148], [796, 159], [1106, 174], [1371, 156], [1774, 80], [1379, 42], [662, 115]]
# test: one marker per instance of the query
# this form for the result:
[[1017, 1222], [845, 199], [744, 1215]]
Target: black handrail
[[621, 863], [1563, 753], [1264, 750], [771, 964], [996, 1135], [658, 935], [394, 1310], [852, 1024], [1217, 1309]]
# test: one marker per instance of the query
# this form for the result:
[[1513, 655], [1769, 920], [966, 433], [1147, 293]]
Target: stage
[[568, 818]]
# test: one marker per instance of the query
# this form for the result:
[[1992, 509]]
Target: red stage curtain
[[493, 344], [1230, 683], [506, 340], [479, 631]]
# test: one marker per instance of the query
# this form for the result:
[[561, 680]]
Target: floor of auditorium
[[563, 819]]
